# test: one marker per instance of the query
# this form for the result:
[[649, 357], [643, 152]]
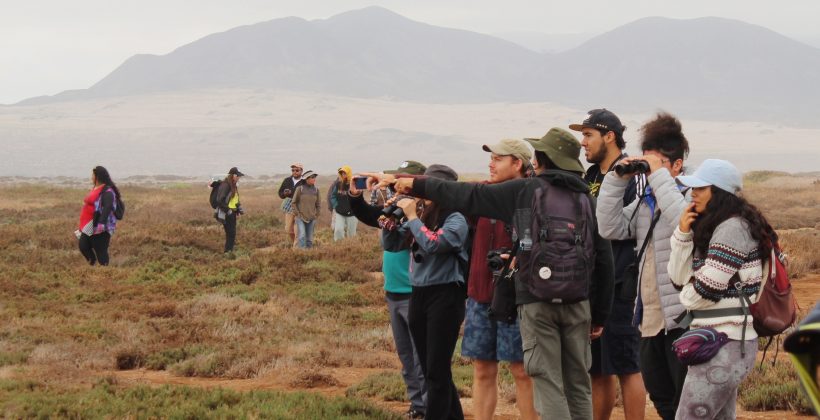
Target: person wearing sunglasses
[[286, 190]]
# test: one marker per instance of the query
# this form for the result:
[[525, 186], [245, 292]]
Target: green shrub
[[773, 388], [387, 386], [107, 400]]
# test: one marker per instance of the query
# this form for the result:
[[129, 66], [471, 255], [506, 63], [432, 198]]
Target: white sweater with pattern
[[709, 283]]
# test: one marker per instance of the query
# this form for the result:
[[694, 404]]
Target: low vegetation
[[171, 301]]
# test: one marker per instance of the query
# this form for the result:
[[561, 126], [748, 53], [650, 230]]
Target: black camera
[[394, 212], [392, 216], [635, 166], [494, 260]]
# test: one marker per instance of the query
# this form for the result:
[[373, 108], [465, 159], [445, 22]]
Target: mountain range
[[707, 68]]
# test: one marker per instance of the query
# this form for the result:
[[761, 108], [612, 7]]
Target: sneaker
[[412, 413]]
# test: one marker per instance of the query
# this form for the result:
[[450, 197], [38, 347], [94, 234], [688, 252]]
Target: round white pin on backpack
[[545, 273]]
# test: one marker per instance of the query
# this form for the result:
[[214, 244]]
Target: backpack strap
[[685, 319]]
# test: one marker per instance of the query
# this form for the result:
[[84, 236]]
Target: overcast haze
[[51, 46]]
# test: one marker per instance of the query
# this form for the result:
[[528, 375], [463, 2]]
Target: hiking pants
[[230, 231], [344, 226], [399, 306], [95, 247], [290, 227], [436, 313], [557, 357], [710, 389], [662, 372]]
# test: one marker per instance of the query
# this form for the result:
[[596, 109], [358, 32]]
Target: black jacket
[[287, 184], [366, 213], [224, 195], [503, 201], [623, 252]]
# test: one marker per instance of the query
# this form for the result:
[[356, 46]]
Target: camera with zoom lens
[[635, 166], [494, 260]]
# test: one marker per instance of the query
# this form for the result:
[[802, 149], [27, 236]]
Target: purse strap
[[648, 235]]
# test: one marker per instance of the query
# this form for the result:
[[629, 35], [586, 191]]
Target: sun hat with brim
[[561, 147], [409, 167], [309, 174], [717, 172]]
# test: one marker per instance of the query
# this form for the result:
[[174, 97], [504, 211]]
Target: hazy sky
[[47, 46]]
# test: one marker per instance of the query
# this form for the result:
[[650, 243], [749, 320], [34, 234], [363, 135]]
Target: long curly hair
[[104, 178], [724, 205]]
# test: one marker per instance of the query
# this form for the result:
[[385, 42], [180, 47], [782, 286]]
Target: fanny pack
[[699, 345]]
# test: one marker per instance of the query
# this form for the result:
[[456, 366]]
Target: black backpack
[[557, 248], [119, 205], [214, 192], [119, 209]]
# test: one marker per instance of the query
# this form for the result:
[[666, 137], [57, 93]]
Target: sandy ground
[[262, 132]]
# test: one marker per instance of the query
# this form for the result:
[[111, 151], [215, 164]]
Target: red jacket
[[489, 234]]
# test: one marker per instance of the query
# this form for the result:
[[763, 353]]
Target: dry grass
[[171, 301]]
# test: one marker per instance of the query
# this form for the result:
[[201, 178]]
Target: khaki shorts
[[290, 226]]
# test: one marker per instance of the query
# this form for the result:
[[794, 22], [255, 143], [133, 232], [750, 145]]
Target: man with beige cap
[[486, 340], [558, 318], [286, 191]]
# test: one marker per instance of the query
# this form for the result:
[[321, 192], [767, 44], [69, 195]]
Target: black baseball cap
[[601, 119], [235, 171], [441, 172]]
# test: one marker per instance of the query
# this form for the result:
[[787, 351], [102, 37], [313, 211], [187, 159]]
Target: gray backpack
[[557, 250]]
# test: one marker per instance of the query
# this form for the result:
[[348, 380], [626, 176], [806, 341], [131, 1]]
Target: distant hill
[[710, 68]]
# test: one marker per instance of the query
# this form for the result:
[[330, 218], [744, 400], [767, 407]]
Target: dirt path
[[807, 291], [347, 377]]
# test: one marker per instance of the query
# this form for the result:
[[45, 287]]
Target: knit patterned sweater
[[709, 283]]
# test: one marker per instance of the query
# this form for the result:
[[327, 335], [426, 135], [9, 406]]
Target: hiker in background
[[397, 289], [558, 318], [228, 206], [97, 219], [616, 353], [343, 220], [651, 220], [437, 238], [487, 341], [286, 190], [716, 256], [306, 206], [379, 194], [804, 346]]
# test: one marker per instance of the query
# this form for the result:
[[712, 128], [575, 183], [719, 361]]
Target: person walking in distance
[[286, 190]]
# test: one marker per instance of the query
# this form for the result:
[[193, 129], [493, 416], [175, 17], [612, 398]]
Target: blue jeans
[[305, 232]]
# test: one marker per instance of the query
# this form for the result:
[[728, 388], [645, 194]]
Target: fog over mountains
[[707, 68], [370, 88]]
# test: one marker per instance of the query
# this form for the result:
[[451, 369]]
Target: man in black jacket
[[286, 191], [616, 354], [555, 336]]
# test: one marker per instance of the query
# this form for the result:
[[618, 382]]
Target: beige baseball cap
[[510, 147]]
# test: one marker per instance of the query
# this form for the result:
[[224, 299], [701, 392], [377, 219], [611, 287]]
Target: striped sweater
[[709, 283]]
